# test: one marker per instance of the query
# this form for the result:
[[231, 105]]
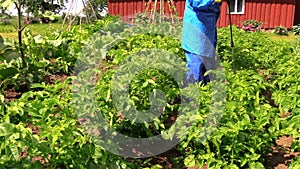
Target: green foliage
[[295, 164], [6, 28], [42, 6], [52, 136], [96, 8], [43, 127], [252, 51], [143, 83], [280, 30], [101, 23], [242, 136], [296, 29], [52, 53]]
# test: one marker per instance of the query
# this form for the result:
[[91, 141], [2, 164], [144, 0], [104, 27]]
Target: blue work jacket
[[199, 33]]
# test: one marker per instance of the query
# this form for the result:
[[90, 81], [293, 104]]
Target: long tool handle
[[231, 35], [230, 25]]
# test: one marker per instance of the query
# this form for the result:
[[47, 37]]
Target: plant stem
[[20, 29]]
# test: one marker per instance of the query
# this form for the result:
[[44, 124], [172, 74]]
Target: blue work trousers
[[197, 66]]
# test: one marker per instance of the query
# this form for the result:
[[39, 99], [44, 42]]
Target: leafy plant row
[[43, 128]]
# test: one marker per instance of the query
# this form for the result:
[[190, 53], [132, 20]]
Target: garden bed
[[42, 125]]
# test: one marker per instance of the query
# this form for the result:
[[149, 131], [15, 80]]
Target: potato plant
[[43, 128]]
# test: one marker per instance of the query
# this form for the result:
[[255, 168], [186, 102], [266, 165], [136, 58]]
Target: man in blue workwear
[[199, 37]]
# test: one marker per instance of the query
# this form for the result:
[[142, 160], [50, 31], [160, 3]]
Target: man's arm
[[200, 4]]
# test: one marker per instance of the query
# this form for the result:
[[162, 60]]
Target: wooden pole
[[154, 11], [68, 13], [91, 6], [86, 12]]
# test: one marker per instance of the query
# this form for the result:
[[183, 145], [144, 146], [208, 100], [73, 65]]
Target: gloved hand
[[218, 1]]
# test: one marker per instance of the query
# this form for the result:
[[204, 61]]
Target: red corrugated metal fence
[[271, 12]]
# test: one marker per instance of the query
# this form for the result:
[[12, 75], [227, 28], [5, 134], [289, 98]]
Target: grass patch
[[288, 38], [8, 31], [43, 28], [9, 35], [35, 28]]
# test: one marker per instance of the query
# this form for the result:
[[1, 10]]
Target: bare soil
[[281, 154]]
